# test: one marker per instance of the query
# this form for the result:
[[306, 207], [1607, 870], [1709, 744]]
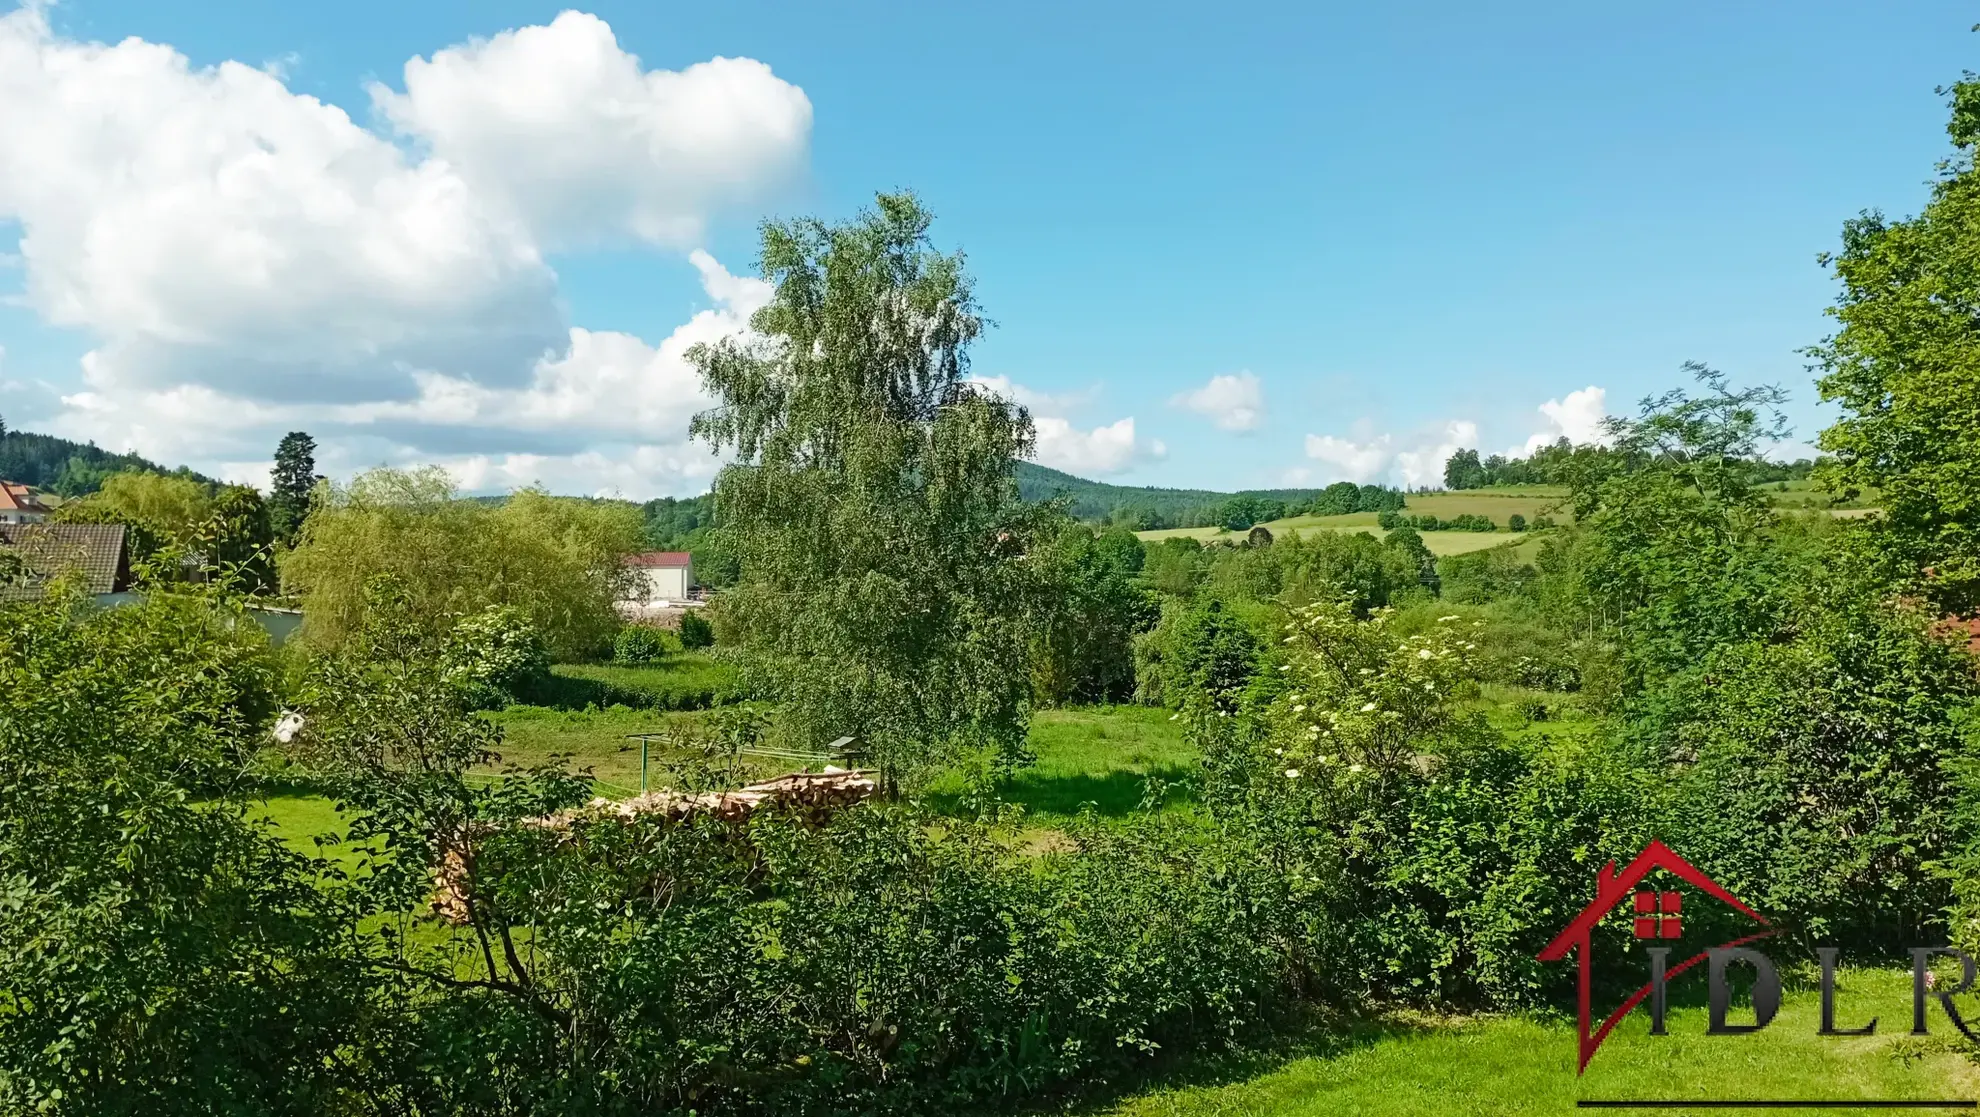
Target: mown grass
[[596, 739], [1497, 504], [1099, 755], [1411, 1065], [684, 681]]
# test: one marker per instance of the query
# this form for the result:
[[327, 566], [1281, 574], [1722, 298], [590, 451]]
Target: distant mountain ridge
[[1097, 500], [68, 467]]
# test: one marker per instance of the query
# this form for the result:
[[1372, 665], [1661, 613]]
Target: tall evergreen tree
[[291, 481]]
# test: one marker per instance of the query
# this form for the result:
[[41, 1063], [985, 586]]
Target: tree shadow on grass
[[1113, 794], [1304, 1033]]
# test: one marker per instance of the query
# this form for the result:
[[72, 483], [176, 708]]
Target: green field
[[1098, 755], [1412, 1065], [1498, 504]]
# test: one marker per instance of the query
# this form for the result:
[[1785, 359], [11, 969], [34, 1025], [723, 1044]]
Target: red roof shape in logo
[[1610, 889]]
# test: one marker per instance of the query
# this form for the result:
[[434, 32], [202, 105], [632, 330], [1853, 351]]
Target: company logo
[[1658, 916]]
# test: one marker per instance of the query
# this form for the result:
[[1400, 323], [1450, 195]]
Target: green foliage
[[177, 510], [1476, 577], [1176, 567], [159, 952], [496, 657], [290, 484], [1466, 521], [1212, 658], [1240, 512], [239, 539], [557, 560], [1084, 649], [696, 631], [643, 643], [1815, 770], [883, 590], [1905, 366], [1344, 497], [1515, 522], [1442, 856]]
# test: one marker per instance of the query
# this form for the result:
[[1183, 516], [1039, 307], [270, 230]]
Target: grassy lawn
[[595, 739], [1514, 1065], [301, 819], [1101, 755], [683, 681]]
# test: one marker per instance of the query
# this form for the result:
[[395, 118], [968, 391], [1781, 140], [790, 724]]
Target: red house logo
[[1657, 916]]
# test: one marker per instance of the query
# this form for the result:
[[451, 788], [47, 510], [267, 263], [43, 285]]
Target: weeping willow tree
[[885, 591]]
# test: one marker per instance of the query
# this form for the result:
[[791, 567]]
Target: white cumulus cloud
[[1063, 444], [1233, 401], [1409, 460], [1576, 416], [1102, 450], [565, 129], [249, 260]]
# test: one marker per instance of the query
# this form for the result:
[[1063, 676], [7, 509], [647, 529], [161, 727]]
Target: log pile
[[812, 795]]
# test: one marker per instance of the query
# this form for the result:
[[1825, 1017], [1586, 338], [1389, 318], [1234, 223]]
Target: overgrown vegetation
[[1403, 773], [554, 560]]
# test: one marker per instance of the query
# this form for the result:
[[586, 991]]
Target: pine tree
[[291, 481]]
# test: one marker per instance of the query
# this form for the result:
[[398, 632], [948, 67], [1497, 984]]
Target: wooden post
[[642, 765]]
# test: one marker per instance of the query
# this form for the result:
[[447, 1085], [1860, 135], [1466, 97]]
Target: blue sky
[[1393, 228]]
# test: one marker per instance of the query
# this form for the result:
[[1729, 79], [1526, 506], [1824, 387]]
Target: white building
[[659, 577]]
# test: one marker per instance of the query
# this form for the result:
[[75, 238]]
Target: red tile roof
[[659, 558], [19, 498]]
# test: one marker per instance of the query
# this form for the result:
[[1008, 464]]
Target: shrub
[[496, 657], [1478, 577], [1515, 522], [166, 953], [642, 643], [1445, 856], [696, 632], [1816, 774]]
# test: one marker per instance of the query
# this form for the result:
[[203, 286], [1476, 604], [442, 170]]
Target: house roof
[[96, 551], [1612, 886], [19, 498], [660, 558]]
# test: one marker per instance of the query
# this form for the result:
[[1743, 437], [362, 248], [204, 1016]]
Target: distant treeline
[[1560, 463], [70, 468], [1142, 508]]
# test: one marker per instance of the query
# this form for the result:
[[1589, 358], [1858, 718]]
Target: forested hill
[[67, 467], [1150, 507]]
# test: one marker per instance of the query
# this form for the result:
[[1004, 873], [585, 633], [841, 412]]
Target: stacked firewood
[[813, 795]]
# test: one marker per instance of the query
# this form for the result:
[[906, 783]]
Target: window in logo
[[1657, 915]]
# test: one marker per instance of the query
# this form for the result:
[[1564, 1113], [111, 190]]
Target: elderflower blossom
[[1447, 620], [1369, 708], [1424, 654], [1292, 773], [1299, 709], [1354, 767]]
